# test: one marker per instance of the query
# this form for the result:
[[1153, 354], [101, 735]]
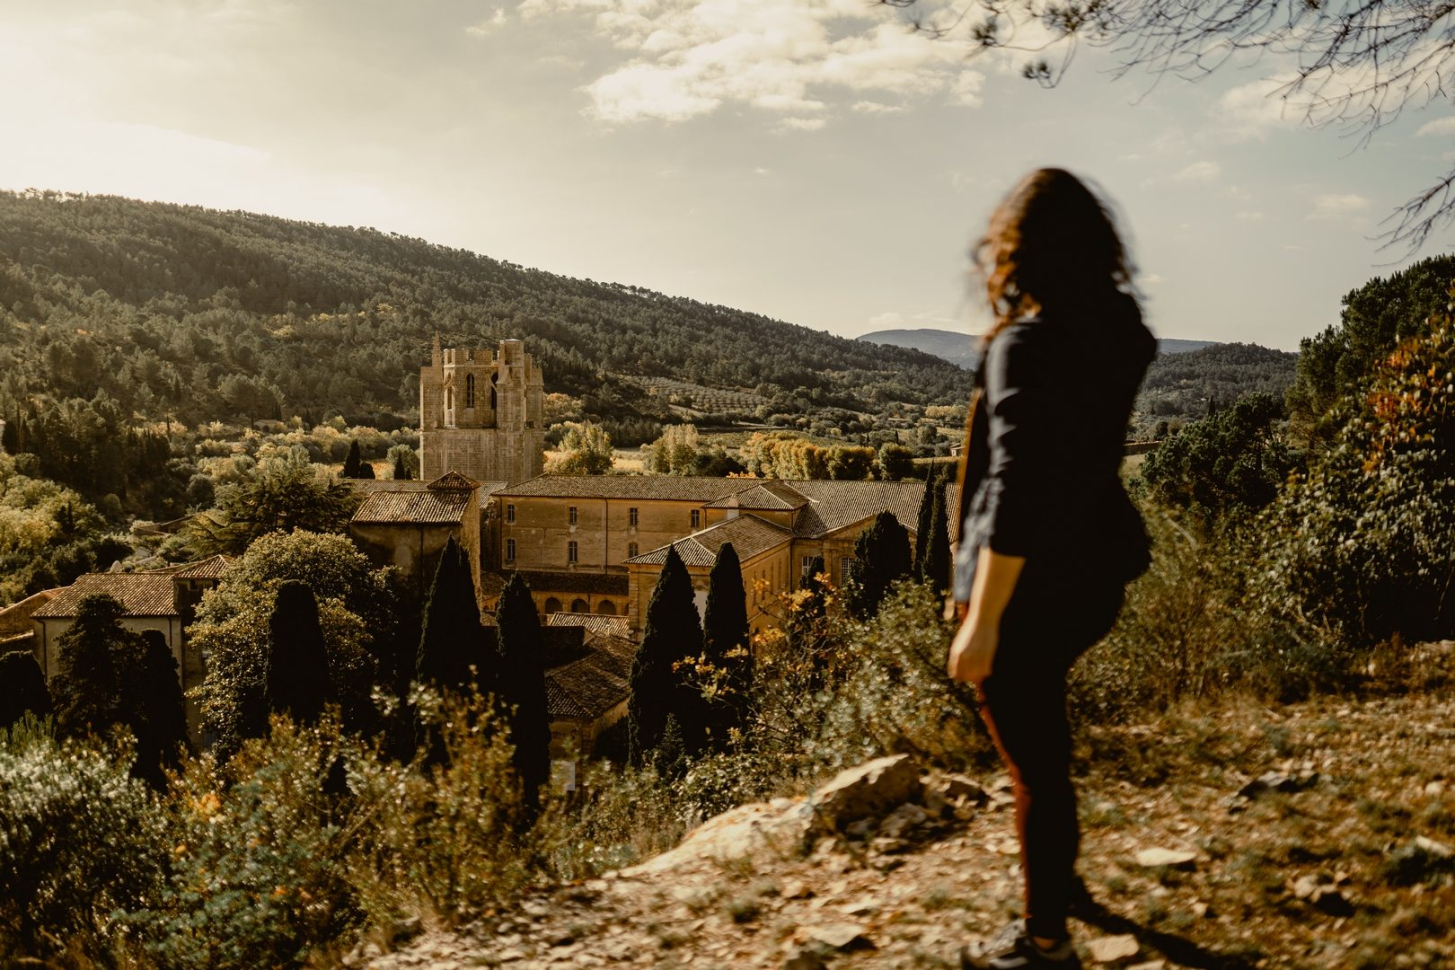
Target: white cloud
[[1248, 215], [802, 124], [1334, 206], [1199, 172], [876, 108], [689, 58], [760, 170], [1252, 110], [487, 26], [1440, 126]]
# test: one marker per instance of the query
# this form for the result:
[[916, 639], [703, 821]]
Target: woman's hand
[[972, 652]]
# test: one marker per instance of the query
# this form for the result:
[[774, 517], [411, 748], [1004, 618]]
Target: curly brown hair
[[1051, 243]]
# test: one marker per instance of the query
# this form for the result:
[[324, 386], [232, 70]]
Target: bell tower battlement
[[480, 413]]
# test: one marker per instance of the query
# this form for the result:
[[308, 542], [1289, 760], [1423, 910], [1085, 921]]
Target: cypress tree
[[297, 682], [401, 470], [450, 635], [152, 696], [882, 557], [352, 462], [726, 644], [924, 523], [523, 688], [22, 688], [672, 633], [936, 570], [10, 437], [86, 690]]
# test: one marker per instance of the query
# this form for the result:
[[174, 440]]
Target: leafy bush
[[1363, 543], [78, 840]]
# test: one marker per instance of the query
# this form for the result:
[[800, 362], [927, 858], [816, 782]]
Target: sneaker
[[1013, 949]]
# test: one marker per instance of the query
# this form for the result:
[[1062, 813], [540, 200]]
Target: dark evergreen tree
[[522, 680], [22, 688], [451, 638], [353, 462], [366, 470], [882, 557], [936, 568], [153, 707], [297, 682], [401, 470], [673, 633], [924, 523], [87, 695], [726, 645], [10, 437]]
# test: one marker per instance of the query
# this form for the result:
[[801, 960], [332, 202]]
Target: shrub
[[78, 840]]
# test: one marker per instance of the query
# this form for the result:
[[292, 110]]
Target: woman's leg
[[1026, 715]]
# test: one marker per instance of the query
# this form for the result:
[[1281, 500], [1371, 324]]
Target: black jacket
[[1041, 466]]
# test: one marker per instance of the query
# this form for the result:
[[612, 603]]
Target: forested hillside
[[1189, 385], [204, 315]]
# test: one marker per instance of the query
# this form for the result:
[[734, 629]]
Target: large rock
[[870, 790]]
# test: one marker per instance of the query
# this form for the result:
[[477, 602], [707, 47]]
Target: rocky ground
[[1314, 835]]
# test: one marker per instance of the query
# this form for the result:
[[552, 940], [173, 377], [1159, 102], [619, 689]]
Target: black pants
[[1051, 619]]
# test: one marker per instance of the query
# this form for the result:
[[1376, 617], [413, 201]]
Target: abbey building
[[480, 414]]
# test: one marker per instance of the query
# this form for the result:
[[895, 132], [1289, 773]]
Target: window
[[510, 513], [631, 517], [571, 514], [510, 550], [631, 550], [696, 519], [807, 565], [470, 391], [573, 551], [846, 569], [580, 606]]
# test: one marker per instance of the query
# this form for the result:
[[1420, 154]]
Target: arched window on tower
[[470, 391]]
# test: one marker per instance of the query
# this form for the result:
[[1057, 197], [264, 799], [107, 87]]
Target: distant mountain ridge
[[963, 350]]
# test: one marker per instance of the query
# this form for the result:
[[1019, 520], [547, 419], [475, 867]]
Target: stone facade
[[480, 414]]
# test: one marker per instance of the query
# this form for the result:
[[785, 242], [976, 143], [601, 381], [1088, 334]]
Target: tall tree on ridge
[[451, 637], [522, 686], [673, 633], [882, 557], [297, 681], [22, 688], [726, 645]]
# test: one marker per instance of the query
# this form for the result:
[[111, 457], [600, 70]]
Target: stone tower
[[480, 414]]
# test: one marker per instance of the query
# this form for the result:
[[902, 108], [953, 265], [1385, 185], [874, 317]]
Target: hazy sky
[[806, 159]]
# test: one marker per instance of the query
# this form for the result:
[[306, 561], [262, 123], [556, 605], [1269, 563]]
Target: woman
[[1049, 538]]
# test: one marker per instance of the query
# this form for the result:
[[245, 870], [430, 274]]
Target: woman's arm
[[972, 652]]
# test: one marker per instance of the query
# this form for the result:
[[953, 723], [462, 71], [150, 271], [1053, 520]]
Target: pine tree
[[882, 557], [451, 637], [673, 633], [154, 710], [937, 564], [353, 461], [22, 688], [924, 524], [297, 682], [87, 698], [726, 644], [523, 687]]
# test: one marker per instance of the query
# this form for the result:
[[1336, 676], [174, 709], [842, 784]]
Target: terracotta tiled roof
[[774, 496], [675, 488], [453, 482], [370, 485], [415, 507], [749, 535], [15, 618], [837, 505], [585, 689], [565, 582], [142, 594], [205, 569], [593, 622]]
